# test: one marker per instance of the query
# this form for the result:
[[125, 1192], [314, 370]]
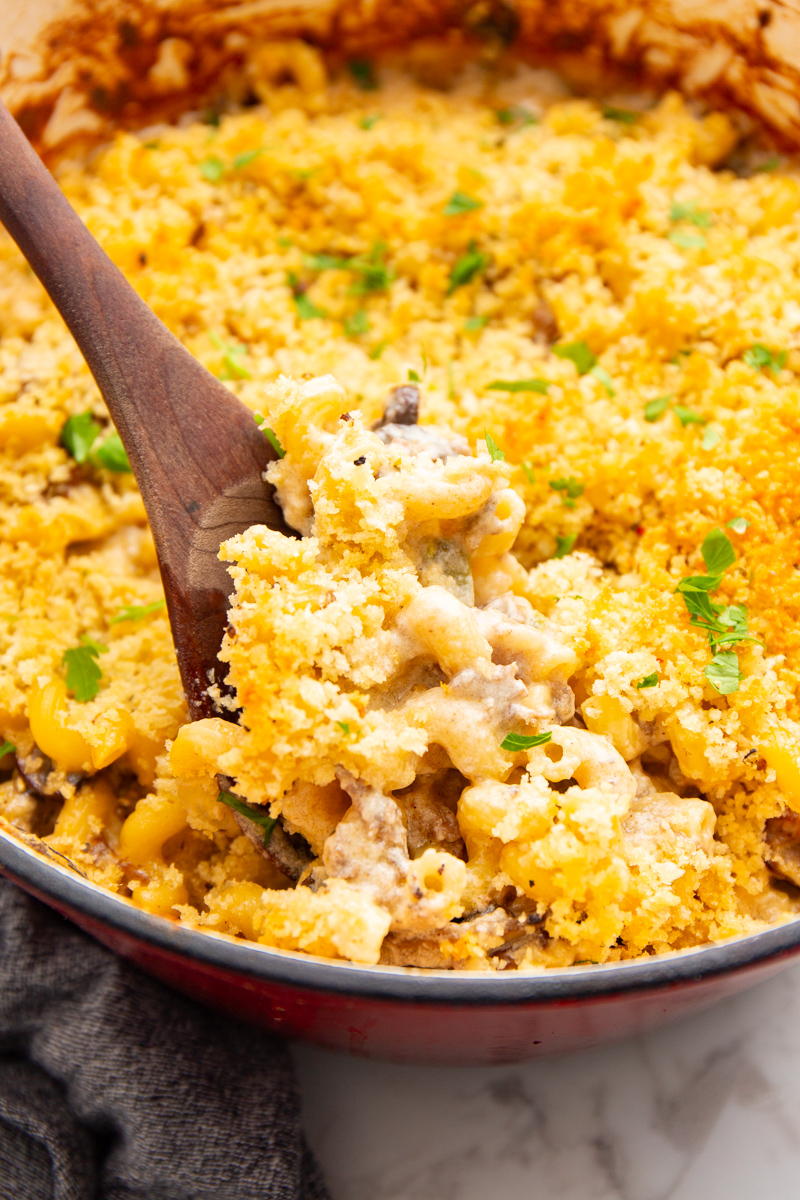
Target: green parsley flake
[[689, 211], [375, 276], [253, 814], [687, 241], [369, 122], [325, 262], [460, 203], [718, 552], [473, 324], [519, 385], [363, 74], [79, 435], [577, 353], [564, 545], [377, 350], [357, 324], [570, 490], [306, 308], [759, 356], [723, 673], [623, 115], [467, 267], [152, 145], [269, 434], [83, 673], [711, 438], [770, 164], [524, 741], [602, 374], [648, 681], [738, 524], [516, 113], [111, 455], [245, 158], [413, 376], [344, 726], [7, 748], [212, 169], [656, 408], [528, 469], [495, 453], [688, 416], [137, 612]]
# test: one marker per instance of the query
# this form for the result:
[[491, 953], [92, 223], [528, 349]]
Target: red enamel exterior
[[446, 1018]]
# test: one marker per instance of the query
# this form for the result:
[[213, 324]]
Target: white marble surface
[[708, 1109]]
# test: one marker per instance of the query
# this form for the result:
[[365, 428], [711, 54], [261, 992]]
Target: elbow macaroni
[[467, 691]]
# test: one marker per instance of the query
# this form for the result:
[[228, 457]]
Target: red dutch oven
[[401, 1014]]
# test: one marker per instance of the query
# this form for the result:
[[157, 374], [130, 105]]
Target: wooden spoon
[[195, 450]]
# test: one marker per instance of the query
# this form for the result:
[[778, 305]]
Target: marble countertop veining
[[708, 1109]]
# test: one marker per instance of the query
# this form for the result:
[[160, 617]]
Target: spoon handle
[[195, 450]]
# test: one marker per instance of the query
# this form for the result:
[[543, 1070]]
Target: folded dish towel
[[114, 1088]]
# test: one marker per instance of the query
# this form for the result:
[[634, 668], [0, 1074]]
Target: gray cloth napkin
[[114, 1088]]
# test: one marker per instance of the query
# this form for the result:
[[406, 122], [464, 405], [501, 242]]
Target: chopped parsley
[[269, 434], [687, 241], [656, 408], [377, 350], [528, 469], [524, 741], [459, 203], [738, 524], [357, 324], [370, 122], [245, 158], [711, 438], [689, 211], [306, 308], [564, 545], [516, 113], [770, 164], [473, 324], [577, 353], [136, 612], [344, 726], [253, 814], [495, 453], [648, 681], [759, 356], [623, 115], [363, 74], [466, 267], [413, 376], [723, 673], [231, 352], [602, 374], [83, 672], [79, 435], [212, 168], [722, 625], [718, 552], [372, 272], [7, 748], [111, 455], [687, 416], [519, 385], [570, 490]]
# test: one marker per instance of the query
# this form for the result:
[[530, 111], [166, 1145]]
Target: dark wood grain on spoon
[[195, 450]]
